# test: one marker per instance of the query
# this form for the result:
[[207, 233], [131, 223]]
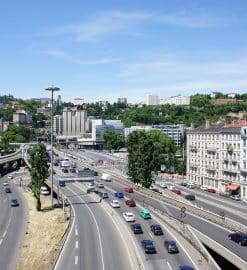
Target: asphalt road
[[94, 241], [12, 225], [213, 231], [81, 203]]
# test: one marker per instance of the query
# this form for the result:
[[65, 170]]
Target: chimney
[[207, 123]]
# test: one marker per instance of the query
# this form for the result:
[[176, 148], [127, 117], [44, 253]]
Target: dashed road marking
[[4, 234], [76, 259], [1, 240], [76, 231], [76, 244], [169, 265]]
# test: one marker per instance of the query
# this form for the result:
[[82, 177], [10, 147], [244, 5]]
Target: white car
[[163, 185], [100, 185], [245, 200], [5, 183], [235, 197], [90, 185], [171, 187], [44, 190], [128, 216], [204, 188], [115, 204], [10, 176]]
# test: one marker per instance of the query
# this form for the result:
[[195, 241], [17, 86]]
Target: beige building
[[217, 157]]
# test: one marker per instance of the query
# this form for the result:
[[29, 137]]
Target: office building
[[176, 132]]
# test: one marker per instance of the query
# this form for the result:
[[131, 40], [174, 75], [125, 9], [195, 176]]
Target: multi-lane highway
[[213, 231], [12, 225], [98, 241]]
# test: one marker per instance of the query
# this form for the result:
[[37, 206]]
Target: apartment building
[[22, 117], [152, 100], [176, 100], [217, 157]]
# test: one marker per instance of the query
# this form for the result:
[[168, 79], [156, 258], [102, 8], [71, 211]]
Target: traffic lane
[[108, 231], [220, 210], [202, 225], [78, 253], [215, 232], [13, 236], [174, 259], [219, 207], [215, 197]]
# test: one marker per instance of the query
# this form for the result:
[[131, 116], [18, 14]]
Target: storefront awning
[[233, 186]]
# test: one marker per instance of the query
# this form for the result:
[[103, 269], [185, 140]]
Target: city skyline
[[103, 51]]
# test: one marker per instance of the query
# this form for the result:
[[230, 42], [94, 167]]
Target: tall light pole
[[52, 89]]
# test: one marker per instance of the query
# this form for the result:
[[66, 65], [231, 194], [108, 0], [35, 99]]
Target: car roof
[[136, 225], [147, 241], [170, 242]]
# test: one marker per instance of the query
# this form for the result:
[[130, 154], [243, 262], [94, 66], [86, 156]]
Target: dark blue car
[[148, 246], [119, 194], [14, 202], [186, 267], [239, 237]]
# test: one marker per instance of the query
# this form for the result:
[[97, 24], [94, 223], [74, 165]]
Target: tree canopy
[[146, 151], [113, 140], [39, 162]]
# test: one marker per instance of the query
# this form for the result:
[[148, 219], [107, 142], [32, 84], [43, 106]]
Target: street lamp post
[[52, 89]]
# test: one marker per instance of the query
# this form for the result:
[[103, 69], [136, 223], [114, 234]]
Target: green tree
[[145, 153], [39, 162], [113, 140]]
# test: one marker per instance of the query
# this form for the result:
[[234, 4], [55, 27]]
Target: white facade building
[[152, 100], [176, 100], [217, 157]]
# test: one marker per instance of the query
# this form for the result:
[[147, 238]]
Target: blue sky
[[101, 50]]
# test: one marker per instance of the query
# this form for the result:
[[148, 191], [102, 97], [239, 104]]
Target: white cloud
[[105, 24], [73, 59], [120, 22]]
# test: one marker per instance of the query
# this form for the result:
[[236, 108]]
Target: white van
[[106, 177], [44, 190]]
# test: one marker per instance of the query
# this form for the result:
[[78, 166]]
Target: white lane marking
[[151, 234], [97, 227], [76, 231], [169, 265], [76, 244], [4, 233], [67, 240], [1, 240], [76, 259]]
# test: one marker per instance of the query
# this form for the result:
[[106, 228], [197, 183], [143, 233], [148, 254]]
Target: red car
[[177, 191], [131, 203], [129, 189], [212, 190]]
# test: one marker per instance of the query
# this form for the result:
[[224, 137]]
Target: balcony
[[210, 168], [211, 149], [192, 165], [193, 148], [230, 170], [244, 170]]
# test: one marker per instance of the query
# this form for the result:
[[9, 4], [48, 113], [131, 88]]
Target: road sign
[[183, 210]]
